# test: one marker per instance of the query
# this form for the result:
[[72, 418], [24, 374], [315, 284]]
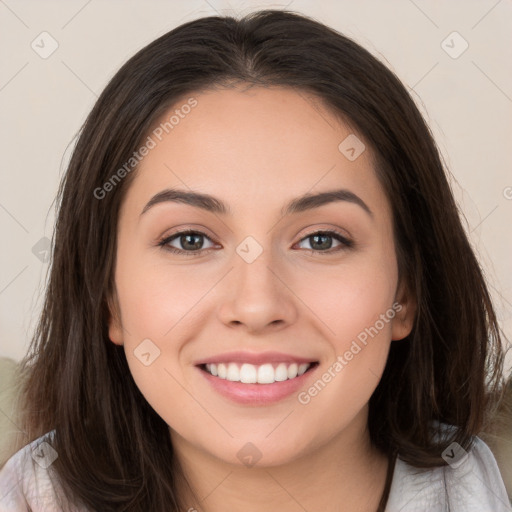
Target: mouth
[[257, 384], [268, 373]]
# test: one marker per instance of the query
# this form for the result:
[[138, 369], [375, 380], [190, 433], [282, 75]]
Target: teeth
[[266, 374], [233, 372], [222, 370], [281, 372], [292, 371], [302, 368], [248, 374], [251, 374]]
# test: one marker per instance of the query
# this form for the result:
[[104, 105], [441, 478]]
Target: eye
[[321, 242], [189, 240]]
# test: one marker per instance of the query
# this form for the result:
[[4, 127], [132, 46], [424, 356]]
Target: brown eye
[[190, 242], [322, 241]]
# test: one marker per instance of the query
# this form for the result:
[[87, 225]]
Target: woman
[[261, 294]]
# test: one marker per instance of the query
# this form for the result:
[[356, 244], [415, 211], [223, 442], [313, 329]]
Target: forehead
[[266, 144]]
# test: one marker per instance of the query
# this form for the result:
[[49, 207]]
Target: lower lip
[[257, 394]]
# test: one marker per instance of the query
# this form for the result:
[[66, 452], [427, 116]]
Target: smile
[[257, 374], [257, 384]]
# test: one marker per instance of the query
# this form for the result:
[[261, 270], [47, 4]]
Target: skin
[[256, 149]]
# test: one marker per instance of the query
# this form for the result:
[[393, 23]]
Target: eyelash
[[346, 243]]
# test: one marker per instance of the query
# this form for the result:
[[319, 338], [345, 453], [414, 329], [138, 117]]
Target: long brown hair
[[114, 450]]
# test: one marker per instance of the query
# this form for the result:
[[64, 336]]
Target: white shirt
[[472, 485]]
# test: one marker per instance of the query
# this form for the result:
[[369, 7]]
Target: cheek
[[161, 385], [358, 310], [351, 298], [155, 298], [157, 308]]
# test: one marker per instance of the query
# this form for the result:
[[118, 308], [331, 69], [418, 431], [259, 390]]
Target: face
[[294, 309]]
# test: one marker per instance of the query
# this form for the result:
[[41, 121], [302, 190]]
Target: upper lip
[[254, 358]]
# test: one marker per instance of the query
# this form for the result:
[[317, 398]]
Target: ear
[[115, 329], [405, 310]]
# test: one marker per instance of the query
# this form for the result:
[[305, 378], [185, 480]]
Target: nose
[[256, 296]]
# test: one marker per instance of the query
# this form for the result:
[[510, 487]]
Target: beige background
[[43, 102]]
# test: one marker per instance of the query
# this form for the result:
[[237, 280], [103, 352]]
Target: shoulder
[[471, 481], [27, 482]]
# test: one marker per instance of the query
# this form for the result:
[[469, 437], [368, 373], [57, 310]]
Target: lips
[[256, 378]]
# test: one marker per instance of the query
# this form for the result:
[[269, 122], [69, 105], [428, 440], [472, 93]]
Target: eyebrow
[[217, 206]]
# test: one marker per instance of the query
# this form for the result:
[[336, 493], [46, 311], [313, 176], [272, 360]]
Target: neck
[[346, 473]]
